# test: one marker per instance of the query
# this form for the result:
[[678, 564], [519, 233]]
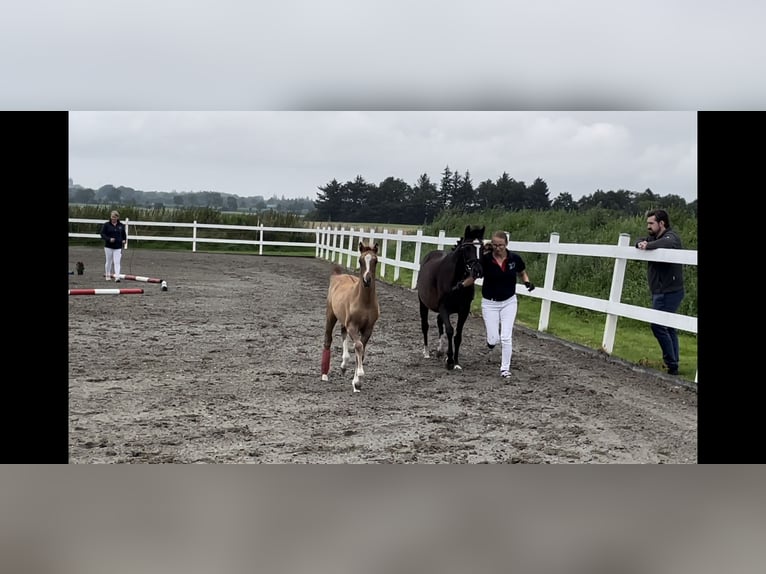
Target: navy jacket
[[116, 231]]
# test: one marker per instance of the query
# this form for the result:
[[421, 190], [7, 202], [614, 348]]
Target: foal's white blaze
[[367, 276]]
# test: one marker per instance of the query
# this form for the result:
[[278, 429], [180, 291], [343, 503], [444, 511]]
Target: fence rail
[[336, 243]]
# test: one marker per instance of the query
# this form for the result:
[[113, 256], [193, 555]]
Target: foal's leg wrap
[[325, 363]]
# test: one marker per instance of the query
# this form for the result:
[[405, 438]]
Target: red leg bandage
[[325, 361]]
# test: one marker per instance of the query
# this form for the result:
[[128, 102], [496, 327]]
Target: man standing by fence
[[666, 282]]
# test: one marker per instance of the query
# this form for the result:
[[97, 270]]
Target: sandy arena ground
[[224, 367]]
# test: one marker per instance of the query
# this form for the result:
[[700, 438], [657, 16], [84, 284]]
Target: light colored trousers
[[113, 259], [499, 317]]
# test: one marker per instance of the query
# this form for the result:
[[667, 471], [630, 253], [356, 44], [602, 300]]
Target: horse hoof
[[458, 368], [325, 378]]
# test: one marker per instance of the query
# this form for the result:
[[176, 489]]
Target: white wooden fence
[[194, 239], [336, 243]]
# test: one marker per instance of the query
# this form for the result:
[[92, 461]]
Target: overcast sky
[[291, 153], [397, 55], [392, 54]]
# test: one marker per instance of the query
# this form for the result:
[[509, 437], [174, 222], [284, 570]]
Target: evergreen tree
[[329, 202], [564, 202], [486, 194], [446, 189], [356, 198], [503, 192], [465, 197], [425, 201], [537, 195], [389, 201]]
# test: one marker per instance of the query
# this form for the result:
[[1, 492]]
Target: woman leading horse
[[445, 286]]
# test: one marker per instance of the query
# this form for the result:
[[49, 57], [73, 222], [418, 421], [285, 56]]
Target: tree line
[[121, 195], [395, 201]]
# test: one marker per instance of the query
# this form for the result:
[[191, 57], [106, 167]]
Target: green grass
[[634, 341]]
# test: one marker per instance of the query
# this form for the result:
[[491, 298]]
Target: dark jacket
[[117, 232], [664, 277], [500, 284]]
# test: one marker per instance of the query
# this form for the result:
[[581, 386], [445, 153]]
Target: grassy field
[[634, 340]]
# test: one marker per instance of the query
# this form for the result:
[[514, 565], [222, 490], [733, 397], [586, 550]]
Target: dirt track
[[224, 367]]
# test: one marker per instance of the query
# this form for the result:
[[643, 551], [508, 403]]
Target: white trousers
[[499, 317], [113, 259]]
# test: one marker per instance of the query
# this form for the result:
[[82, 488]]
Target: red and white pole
[[106, 291], [136, 278]]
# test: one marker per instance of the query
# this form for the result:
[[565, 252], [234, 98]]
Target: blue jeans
[[667, 337]]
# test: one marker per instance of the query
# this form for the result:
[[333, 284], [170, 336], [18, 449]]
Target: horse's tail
[[337, 270]]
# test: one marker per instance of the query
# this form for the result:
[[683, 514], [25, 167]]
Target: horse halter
[[472, 264]]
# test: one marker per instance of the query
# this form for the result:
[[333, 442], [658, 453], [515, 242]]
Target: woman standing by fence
[[114, 235]]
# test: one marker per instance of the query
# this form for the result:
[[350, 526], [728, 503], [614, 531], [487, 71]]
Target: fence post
[[384, 243], [334, 250], [550, 272], [316, 242], [440, 244], [398, 256], [419, 236], [127, 234], [260, 239], [615, 294], [194, 236], [350, 244]]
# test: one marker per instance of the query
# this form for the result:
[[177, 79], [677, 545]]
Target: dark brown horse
[[440, 289], [353, 302]]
